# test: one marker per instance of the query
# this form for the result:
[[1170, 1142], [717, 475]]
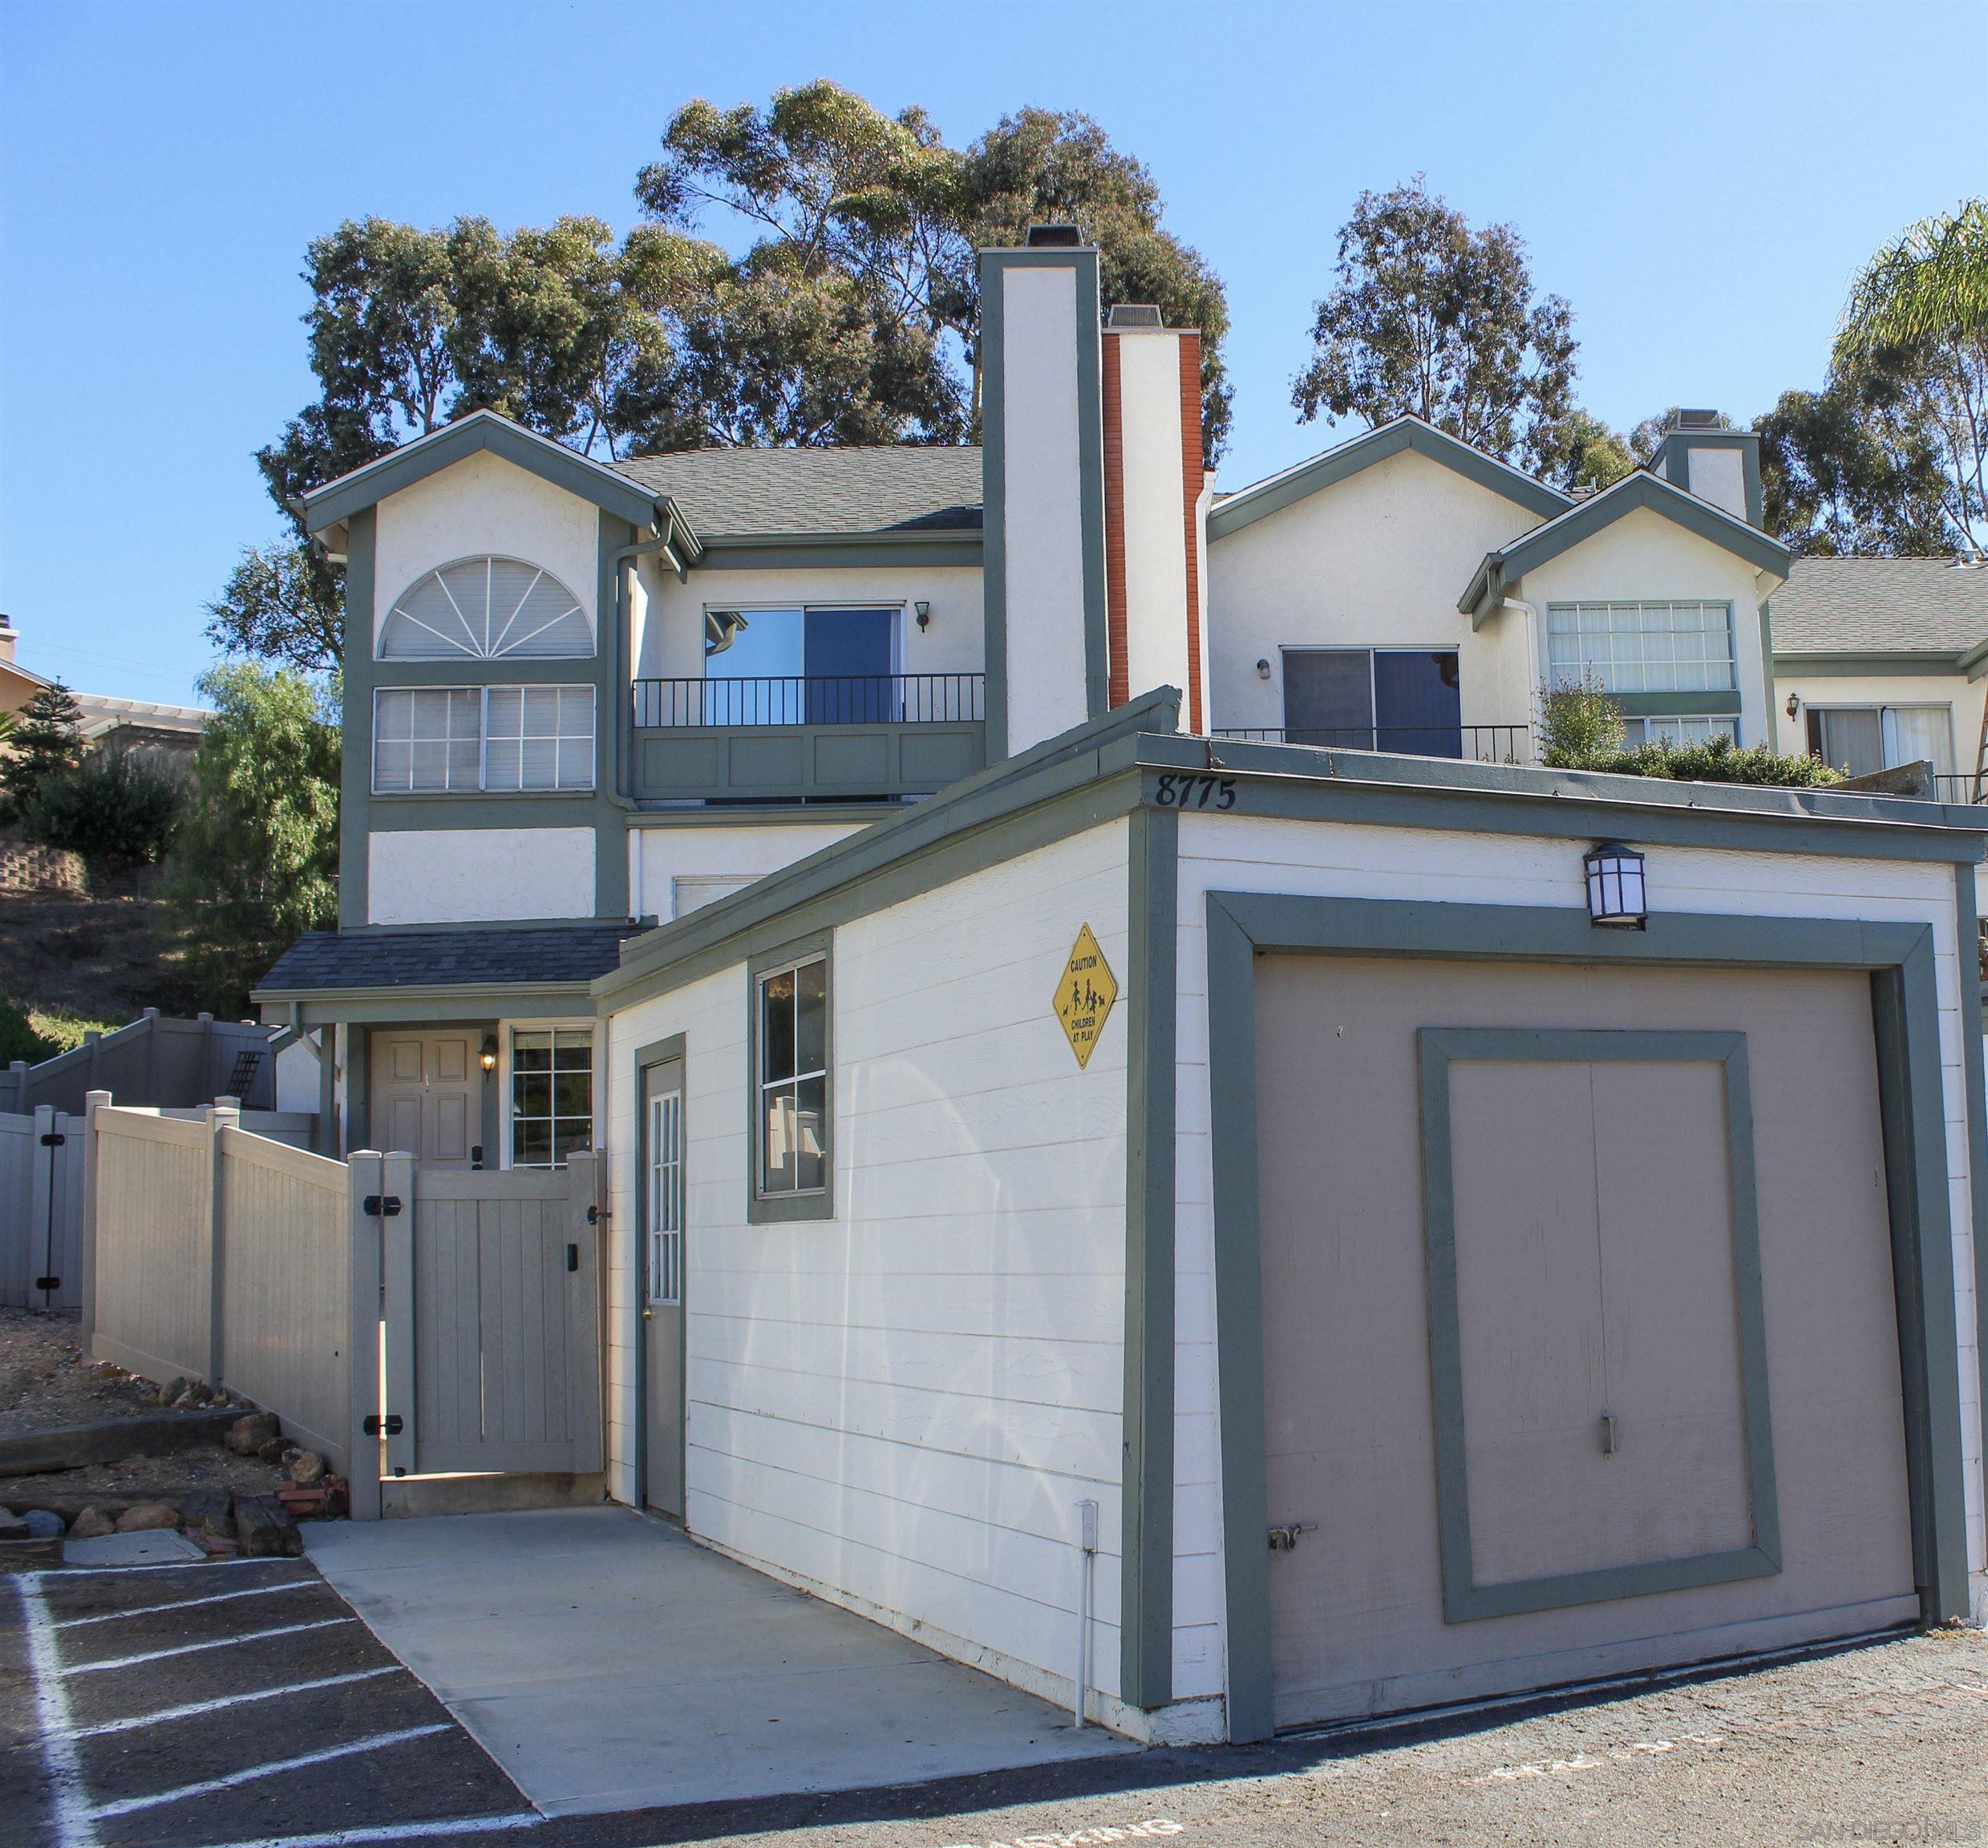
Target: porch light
[[488, 1058], [1615, 886], [923, 610]]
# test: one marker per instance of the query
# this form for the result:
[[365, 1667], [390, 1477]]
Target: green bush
[[116, 808], [19, 1039], [1714, 760], [1579, 723]]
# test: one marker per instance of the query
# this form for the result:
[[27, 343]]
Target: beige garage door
[[1627, 1391]]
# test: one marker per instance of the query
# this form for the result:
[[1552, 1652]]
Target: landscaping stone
[[12, 1526], [45, 1524], [92, 1524], [106, 1370], [171, 1391], [148, 1515], [203, 1506], [273, 1452], [248, 1434], [306, 1467], [266, 1528]]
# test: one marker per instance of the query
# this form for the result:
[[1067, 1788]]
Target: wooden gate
[[492, 1320], [41, 1210]]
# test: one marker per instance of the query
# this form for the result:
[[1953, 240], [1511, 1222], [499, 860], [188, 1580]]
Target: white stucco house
[[1087, 1003]]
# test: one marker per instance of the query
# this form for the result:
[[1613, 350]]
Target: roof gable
[[1583, 519], [481, 430], [1272, 495]]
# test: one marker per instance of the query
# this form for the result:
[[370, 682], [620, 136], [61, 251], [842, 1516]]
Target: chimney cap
[[1697, 420], [1053, 237], [1134, 314]]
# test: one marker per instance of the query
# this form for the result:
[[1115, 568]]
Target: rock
[[92, 1524], [208, 1507], [188, 1401], [247, 1435], [13, 1527], [273, 1452], [146, 1515], [265, 1528], [171, 1390], [306, 1467], [45, 1524], [106, 1370]]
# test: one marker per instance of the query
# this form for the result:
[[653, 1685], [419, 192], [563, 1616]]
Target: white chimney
[[1699, 454], [9, 636]]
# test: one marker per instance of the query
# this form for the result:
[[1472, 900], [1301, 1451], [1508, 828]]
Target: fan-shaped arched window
[[480, 609]]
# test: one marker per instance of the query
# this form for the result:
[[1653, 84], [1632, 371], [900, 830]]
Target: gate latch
[[1285, 1539], [381, 1206], [572, 1257], [390, 1426], [55, 1139], [48, 1282]]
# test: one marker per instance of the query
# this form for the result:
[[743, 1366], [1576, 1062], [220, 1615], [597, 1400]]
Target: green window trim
[[817, 1203]]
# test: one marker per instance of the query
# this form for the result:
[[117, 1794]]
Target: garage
[[1630, 1392]]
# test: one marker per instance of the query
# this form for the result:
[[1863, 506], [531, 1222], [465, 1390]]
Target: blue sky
[[1700, 182]]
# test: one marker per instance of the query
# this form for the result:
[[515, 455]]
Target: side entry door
[[427, 1096], [662, 1268]]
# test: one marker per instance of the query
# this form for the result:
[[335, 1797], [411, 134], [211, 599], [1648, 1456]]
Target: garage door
[[1579, 1344]]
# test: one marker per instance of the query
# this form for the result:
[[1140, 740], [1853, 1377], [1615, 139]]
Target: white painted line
[[68, 1572], [393, 1832], [189, 1603], [207, 1786], [68, 1796], [195, 1648], [195, 1708]]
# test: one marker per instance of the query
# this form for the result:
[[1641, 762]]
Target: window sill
[[789, 1209], [477, 795]]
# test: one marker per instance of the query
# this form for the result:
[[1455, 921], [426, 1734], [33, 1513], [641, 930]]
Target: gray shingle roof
[[322, 960], [899, 488], [1880, 605]]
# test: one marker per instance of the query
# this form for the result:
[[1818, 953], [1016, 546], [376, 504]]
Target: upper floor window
[[1666, 647], [463, 739], [484, 609]]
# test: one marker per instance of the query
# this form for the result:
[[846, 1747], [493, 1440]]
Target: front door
[[662, 1224], [427, 1096]]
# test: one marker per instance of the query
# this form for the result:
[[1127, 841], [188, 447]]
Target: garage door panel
[[1358, 1619]]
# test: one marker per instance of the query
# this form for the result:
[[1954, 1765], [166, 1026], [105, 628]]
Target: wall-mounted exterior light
[[1263, 670], [488, 1058], [1616, 896], [1794, 704], [924, 612]]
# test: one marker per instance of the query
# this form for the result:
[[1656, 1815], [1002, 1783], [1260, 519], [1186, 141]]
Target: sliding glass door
[[1402, 700]]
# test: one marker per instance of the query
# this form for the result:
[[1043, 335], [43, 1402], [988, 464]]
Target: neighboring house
[[1880, 662], [170, 733], [18, 684]]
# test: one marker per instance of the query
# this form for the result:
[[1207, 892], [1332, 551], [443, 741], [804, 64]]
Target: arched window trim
[[448, 648]]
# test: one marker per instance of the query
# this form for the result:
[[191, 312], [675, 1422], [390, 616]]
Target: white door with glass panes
[[551, 1095], [662, 1234]]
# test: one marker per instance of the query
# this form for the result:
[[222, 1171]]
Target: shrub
[[116, 807], [19, 1039], [1716, 760], [45, 738], [1579, 723]]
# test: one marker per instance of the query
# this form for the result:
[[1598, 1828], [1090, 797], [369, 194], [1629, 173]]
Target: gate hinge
[[596, 1215], [1285, 1539], [54, 1139], [381, 1206], [390, 1426], [48, 1282]]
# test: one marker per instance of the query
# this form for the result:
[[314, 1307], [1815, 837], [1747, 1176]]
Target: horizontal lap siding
[[904, 1405], [1342, 860]]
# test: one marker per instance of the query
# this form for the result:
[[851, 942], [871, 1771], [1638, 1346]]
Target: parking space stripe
[[195, 1648], [67, 1793], [189, 1603], [195, 1708], [208, 1786], [395, 1832], [204, 1567]]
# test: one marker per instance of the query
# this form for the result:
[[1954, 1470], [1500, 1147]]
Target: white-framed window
[[551, 1095], [454, 740], [665, 1196], [1642, 647], [1677, 729], [792, 1079], [483, 609], [1859, 740]]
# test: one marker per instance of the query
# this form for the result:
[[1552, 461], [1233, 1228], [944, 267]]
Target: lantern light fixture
[[1617, 899], [923, 611], [488, 1057]]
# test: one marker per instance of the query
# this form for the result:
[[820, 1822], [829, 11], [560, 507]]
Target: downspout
[[665, 543]]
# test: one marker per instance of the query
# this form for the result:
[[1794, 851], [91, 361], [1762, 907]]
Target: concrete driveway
[[607, 1663]]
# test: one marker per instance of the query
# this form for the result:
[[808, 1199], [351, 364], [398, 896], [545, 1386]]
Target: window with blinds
[[444, 740], [1642, 647]]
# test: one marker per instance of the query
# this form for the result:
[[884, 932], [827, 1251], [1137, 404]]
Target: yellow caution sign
[[1084, 994]]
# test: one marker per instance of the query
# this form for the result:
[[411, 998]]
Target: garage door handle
[[1611, 1440]]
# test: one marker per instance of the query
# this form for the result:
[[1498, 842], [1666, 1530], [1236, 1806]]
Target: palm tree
[[1930, 284]]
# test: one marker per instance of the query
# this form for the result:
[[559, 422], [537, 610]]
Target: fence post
[[17, 1086], [363, 1173], [586, 1214], [41, 1210], [224, 1113], [151, 1053], [93, 1101], [397, 1183]]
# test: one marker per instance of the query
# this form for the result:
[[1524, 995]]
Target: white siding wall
[[479, 875], [1364, 862], [899, 1408], [660, 855], [1377, 561], [1156, 534]]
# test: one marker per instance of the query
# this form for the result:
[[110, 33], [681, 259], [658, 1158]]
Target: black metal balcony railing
[[1957, 790], [812, 699], [1478, 743]]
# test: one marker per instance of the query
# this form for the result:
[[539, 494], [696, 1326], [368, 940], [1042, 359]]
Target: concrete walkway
[[608, 1663]]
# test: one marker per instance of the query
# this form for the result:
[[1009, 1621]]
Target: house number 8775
[[1196, 792]]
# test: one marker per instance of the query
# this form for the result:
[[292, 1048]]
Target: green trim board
[[1967, 928], [1146, 1480], [412, 1007], [481, 431], [1640, 491], [657, 1052], [1464, 1600], [1874, 665], [1669, 705], [1274, 495], [819, 1203], [881, 551], [355, 735], [1242, 927]]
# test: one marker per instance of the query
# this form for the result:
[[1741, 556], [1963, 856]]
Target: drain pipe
[[1087, 1552]]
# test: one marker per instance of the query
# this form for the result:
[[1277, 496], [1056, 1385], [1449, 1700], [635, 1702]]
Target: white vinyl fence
[[41, 1210]]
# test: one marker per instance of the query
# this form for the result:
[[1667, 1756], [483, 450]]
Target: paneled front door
[[427, 1096], [662, 1196]]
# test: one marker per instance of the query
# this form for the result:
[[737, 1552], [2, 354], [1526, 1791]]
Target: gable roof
[[756, 493], [481, 430], [1924, 606], [537, 957], [1585, 518], [1233, 511]]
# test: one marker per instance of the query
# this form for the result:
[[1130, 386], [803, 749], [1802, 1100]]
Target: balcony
[[1472, 744], [803, 738]]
